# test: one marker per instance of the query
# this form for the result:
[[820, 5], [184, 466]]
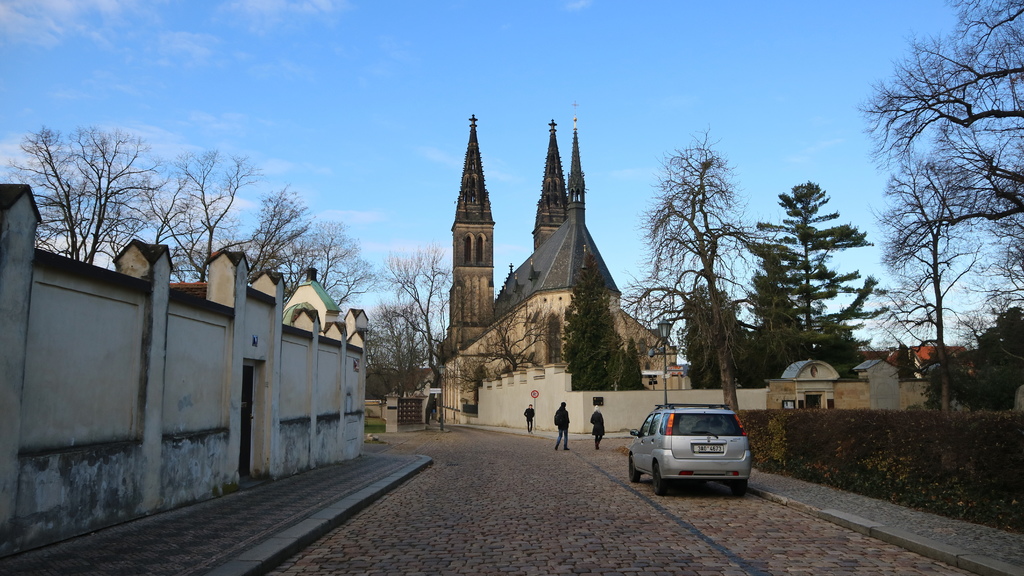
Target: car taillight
[[686, 473], [669, 430], [743, 431]]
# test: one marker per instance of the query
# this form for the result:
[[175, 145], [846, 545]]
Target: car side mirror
[[634, 432]]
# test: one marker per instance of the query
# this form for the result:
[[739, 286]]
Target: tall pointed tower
[[471, 306], [577, 187], [552, 204]]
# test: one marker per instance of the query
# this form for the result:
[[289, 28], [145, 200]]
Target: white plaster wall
[[82, 363], [885, 387], [118, 400], [197, 346], [328, 389], [502, 402], [257, 328], [294, 377]]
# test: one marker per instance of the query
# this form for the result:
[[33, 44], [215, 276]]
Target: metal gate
[[410, 411]]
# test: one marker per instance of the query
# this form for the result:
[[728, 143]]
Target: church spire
[[472, 293], [577, 187], [473, 204], [553, 199]]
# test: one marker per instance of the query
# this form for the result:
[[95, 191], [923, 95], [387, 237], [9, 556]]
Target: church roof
[[556, 263]]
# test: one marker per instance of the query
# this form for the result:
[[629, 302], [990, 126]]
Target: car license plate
[[709, 448]]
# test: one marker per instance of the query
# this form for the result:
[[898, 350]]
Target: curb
[[270, 553], [951, 555]]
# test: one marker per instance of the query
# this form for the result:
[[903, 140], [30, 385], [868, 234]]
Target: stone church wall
[[120, 397], [503, 401]]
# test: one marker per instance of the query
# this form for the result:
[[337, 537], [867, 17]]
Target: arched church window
[[554, 338], [467, 250], [480, 250]]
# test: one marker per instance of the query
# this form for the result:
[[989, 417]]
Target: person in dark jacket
[[529, 418], [597, 419], [562, 423]]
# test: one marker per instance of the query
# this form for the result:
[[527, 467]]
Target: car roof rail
[[685, 405]]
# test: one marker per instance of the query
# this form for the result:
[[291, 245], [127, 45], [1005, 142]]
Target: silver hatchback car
[[694, 442]]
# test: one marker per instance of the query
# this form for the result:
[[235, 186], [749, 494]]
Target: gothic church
[[522, 326]]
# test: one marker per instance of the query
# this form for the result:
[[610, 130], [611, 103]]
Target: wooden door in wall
[[245, 428]]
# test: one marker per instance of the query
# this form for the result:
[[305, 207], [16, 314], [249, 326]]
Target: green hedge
[[966, 465]]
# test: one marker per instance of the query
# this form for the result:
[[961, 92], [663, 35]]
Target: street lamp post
[[664, 330]]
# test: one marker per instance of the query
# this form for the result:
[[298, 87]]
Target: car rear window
[[703, 424]]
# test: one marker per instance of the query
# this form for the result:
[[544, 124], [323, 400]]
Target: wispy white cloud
[[163, 143], [633, 174], [186, 48], [264, 15], [578, 4], [809, 152], [227, 122], [401, 246], [439, 156], [353, 217], [47, 22], [10, 150], [283, 69]]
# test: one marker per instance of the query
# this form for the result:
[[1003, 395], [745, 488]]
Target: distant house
[[913, 361], [816, 384]]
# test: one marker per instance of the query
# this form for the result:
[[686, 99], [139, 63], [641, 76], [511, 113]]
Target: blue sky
[[363, 106]]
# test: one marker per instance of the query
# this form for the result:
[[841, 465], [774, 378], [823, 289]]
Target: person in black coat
[[562, 423], [597, 419], [529, 418]]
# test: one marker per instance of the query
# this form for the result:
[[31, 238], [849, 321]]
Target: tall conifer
[[591, 341], [804, 252]]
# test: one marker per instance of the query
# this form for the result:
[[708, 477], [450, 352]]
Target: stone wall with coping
[[121, 397]]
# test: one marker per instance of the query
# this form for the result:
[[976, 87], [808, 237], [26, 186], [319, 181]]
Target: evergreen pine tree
[[805, 250], [590, 338], [774, 342], [625, 371]]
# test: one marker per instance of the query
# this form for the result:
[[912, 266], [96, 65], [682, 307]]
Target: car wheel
[[634, 474], [660, 489], [739, 487]]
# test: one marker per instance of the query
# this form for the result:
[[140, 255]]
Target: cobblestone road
[[504, 504]]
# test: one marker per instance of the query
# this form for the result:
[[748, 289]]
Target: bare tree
[[697, 238], [341, 270], [959, 97], [1004, 276], [926, 255], [162, 209], [515, 339], [421, 283], [209, 184], [283, 221], [90, 187], [396, 353]]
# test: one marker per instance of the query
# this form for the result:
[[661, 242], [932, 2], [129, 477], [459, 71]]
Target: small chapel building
[[522, 325]]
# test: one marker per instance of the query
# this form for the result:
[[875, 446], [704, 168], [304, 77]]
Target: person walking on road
[[562, 423], [529, 418], [597, 419]]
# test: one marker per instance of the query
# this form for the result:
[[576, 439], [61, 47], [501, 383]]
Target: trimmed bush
[[965, 465]]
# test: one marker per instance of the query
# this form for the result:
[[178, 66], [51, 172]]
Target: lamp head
[[664, 329]]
